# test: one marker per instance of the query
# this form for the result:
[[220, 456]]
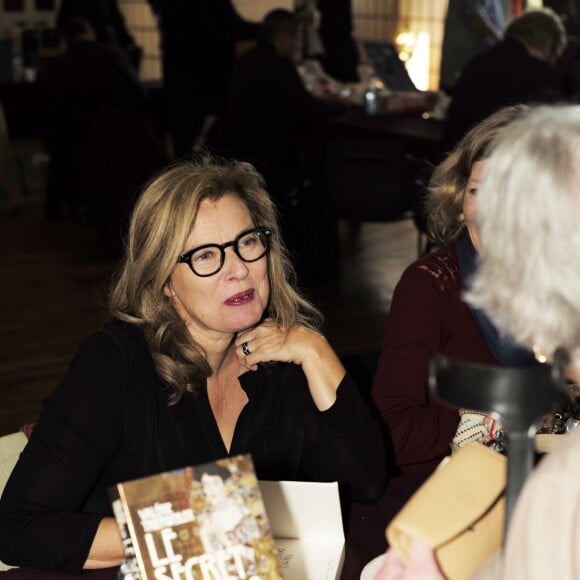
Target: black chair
[[520, 396], [374, 181]]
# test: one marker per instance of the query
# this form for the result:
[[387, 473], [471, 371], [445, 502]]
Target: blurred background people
[[76, 85], [326, 30], [106, 20], [569, 63], [278, 121], [101, 143], [309, 19], [339, 57], [471, 26], [273, 120], [198, 46], [519, 69], [428, 314], [569, 12]]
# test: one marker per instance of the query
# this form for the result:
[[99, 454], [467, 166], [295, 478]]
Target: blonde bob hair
[[160, 225], [528, 209], [444, 202]]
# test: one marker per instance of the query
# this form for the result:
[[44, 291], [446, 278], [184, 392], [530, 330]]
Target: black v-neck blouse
[[109, 420]]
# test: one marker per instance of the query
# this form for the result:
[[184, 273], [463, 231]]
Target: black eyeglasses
[[209, 259]]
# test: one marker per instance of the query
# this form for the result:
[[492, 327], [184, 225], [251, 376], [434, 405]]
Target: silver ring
[[245, 349]]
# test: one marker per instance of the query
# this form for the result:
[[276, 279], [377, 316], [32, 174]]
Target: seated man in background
[[89, 75], [519, 69], [198, 46], [276, 115], [106, 20], [102, 145], [275, 122]]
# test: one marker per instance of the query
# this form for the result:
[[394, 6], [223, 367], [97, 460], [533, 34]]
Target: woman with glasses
[[210, 352]]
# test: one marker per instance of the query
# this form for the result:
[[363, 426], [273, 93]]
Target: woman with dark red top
[[428, 315]]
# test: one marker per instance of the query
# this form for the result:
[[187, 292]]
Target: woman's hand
[[299, 345], [422, 564], [267, 342]]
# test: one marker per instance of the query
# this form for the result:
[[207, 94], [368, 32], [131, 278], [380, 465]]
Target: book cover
[[206, 522]]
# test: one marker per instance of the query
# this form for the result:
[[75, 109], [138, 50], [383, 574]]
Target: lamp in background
[[405, 42], [414, 52]]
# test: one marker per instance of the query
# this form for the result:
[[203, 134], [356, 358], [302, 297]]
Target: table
[[31, 574], [414, 125], [420, 133], [364, 529], [377, 167]]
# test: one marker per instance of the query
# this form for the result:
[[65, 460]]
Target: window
[[382, 20], [142, 23]]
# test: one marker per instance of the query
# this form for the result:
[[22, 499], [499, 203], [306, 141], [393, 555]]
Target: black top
[[90, 74], [109, 421], [270, 109], [505, 74]]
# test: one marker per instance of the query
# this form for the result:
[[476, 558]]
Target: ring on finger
[[245, 349]]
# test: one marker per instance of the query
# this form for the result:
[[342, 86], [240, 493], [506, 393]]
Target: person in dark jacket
[[519, 69], [198, 47], [106, 20], [88, 76], [273, 120], [274, 112]]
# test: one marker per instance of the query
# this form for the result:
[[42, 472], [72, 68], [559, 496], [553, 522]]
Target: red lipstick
[[241, 298]]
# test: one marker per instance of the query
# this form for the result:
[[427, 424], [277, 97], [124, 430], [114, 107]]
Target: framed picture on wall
[[13, 5]]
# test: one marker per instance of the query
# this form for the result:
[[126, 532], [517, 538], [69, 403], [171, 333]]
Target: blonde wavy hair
[[444, 202], [158, 230], [528, 279]]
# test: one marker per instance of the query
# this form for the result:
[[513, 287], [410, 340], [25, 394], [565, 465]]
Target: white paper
[[307, 526]]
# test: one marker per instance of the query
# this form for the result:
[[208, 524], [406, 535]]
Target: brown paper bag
[[459, 511]]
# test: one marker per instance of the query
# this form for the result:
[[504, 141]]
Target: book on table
[[206, 522]]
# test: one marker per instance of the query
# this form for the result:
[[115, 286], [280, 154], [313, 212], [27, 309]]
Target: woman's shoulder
[[440, 268], [116, 338], [112, 364], [123, 333]]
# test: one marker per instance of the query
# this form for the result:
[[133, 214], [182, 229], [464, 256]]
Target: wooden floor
[[54, 279]]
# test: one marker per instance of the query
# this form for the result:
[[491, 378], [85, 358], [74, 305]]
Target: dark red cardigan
[[427, 316]]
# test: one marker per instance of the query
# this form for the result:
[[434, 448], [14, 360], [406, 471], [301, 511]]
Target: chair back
[[10, 448], [519, 396], [371, 181]]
